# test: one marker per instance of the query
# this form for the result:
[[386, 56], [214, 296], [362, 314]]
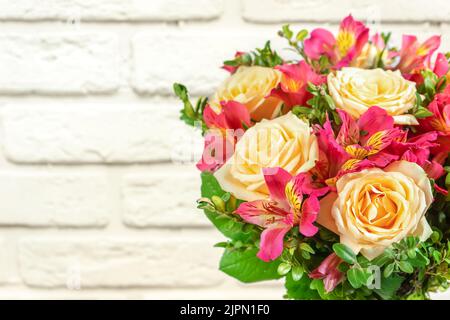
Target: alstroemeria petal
[[328, 271], [305, 183], [441, 66], [320, 42], [350, 132], [310, 210], [374, 120], [332, 280], [271, 245], [276, 180], [263, 213]]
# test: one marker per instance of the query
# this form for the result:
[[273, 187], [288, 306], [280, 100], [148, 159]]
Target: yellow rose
[[375, 208], [355, 90], [285, 142], [251, 86]]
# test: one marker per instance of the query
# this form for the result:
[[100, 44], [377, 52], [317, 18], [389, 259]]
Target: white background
[[91, 205]]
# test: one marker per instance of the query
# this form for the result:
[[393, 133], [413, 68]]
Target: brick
[[445, 31], [270, 11], [91, 133], [188, 57], [111, 10], [163, 196], [169, 259], [6, 264], [58, 63], [54, 199]]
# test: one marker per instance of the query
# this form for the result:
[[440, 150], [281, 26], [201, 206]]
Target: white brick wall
[[91, 205], [111, 10], [58, 63]]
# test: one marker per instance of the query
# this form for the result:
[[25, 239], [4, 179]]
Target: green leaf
[[358, 277], [420, 260], [300, 290], [302, 34], [422, 113], [306, 247], [230, 227], [344, 252], [406, 267], [284, 268], [389, 270], [352, 276], [245, 266], [297, 273], [221, 245], [298, 110], [381, 260], [330, 102], [389, 286], [437, 256], [182, 93], [412, 253], [287, 32]]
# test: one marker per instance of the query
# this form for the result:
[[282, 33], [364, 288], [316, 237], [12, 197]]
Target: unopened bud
[[218, 203]]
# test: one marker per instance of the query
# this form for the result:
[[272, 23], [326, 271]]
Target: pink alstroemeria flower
[[418, 150], [225, 129], [440, 68], [293, 201], [440, 122], [328, 271], [358, 144], [293, 89], [343, 49], [372, 141], [415, 56]]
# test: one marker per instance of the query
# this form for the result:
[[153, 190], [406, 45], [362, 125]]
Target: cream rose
[[355, 90], [368, 57], [285, 142], [375, 208], [251, 86]]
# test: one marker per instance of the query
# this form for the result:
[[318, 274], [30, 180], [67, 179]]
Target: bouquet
[[331, 170]]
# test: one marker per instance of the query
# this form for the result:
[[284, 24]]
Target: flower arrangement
[[332, 170]]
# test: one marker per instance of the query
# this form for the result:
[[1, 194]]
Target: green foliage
[[319, 106], [301, 289], [422, 112], [245, 266], [358, 277], [389, 287], [431, 85], [295, 40], [191, 115], [265, 57], [344, 252], [228, 223]]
